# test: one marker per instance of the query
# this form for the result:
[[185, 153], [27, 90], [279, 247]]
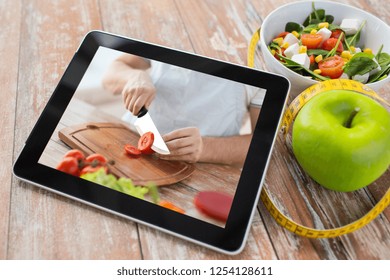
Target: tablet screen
[[205, 121], [169, 139]]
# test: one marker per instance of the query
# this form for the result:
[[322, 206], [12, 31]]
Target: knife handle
[[142, 112]]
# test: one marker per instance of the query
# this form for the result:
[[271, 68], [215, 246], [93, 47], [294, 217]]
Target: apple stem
[[348, 123]]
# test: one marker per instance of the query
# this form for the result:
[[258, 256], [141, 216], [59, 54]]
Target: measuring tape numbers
[[288, 118]]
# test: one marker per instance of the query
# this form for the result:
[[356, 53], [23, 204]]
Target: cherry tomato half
[[96, 160], [331, 67], [145, 143], [331, 43], [69, 165], [312, 59], [336, 34], [311, 41], [132, 151], [77, 154], [92, 169], [282, 35], [281, 52]]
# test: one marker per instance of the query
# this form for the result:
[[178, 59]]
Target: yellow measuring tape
[[289, 116]]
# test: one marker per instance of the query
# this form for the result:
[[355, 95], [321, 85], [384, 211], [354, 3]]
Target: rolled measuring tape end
[[288, 118]]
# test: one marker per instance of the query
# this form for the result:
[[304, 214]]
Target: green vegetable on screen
[[124, 185]]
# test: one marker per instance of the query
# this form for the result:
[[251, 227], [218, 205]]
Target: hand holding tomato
[[185, 144]]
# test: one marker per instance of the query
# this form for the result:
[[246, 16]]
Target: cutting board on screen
[[109, 140]]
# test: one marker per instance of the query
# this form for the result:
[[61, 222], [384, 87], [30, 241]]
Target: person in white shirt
[[199, 115]]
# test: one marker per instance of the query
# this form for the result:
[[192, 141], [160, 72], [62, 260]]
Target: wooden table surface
[[38, 39]]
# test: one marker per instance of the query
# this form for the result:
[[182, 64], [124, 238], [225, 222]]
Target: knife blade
[[143, 124]]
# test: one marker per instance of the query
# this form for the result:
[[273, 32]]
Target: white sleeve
[[255, 96]]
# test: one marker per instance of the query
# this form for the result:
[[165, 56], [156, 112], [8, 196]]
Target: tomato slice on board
[[145, 143], [311, 41], [132, 151], [69, 165], [331, 43], [331, 67], [214, 204]]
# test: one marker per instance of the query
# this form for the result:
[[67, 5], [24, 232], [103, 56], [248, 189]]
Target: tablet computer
[[166, 138]]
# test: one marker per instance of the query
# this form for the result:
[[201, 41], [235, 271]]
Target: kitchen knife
[[143, 124]]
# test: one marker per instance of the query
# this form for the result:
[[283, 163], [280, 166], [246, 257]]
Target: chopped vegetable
[[331, 67], [311, 41], [335, 48], [96, 160], [145, 143], [69, 165], [331, 43], [132, 151], [76, 154], [91, 169], [171, 206], [214, 204]]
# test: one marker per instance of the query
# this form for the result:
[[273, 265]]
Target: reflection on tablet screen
[[185, 154]]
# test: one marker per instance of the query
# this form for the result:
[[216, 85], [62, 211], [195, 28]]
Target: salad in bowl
[[331, 41]]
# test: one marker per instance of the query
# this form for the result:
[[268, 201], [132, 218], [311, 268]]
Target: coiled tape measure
[[289, 116]]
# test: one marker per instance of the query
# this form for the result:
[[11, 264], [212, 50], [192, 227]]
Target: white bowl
[[374, 34]]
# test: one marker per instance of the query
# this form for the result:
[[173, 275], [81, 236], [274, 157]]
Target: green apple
[[342, 139]]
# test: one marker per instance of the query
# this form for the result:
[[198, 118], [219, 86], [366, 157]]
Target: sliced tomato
[[171, 206], [69, 165], [92, 169], [312, 59], [145, 143], [214, 204], [77, 154], [336, 34], [331, 43], [132, 151], [311, 41], [96, 160], [282, 35], [281, 52], [331, 67]]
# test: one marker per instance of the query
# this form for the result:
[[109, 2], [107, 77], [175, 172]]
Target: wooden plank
[[155, 21], [221, 30], [44, 225], [10, 16], [167, 247]]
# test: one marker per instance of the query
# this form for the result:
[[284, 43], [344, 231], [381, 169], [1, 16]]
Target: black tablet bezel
[[229, 239]]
